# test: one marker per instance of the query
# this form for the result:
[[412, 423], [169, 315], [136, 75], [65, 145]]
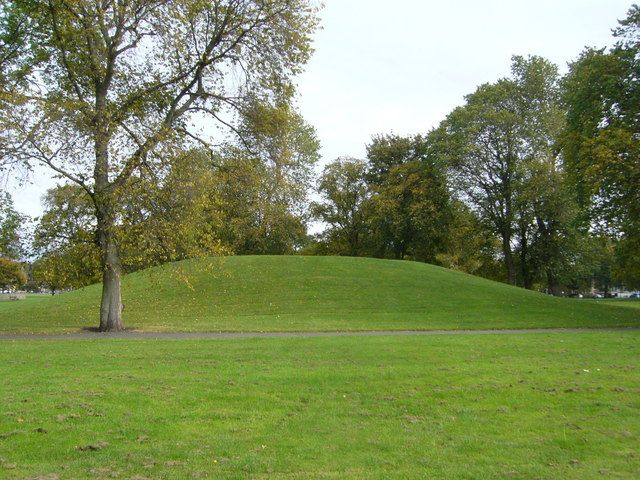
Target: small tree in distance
[[11, 274], [11, 229], [344, 191]]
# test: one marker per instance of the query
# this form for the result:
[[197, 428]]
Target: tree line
[[532, 181]]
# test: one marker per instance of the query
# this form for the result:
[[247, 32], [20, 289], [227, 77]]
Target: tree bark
[[525, 267], [508, 260], [103, 199], [552, 283], [111, 304]]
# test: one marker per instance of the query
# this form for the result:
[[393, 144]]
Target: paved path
[[134, 335]]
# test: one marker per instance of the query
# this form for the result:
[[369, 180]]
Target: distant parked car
[[634, 295]]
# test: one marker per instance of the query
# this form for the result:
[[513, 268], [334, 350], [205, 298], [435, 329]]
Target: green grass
[[538, 406], [625, 302], [312, 293]]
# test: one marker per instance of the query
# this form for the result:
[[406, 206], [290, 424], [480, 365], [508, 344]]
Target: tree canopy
[[11, 274], [494, 145], [12, 225], [344, 191], [601, 139]]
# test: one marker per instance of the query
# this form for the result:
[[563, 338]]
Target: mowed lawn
[[536, 406], [270, 293], [624, 302]]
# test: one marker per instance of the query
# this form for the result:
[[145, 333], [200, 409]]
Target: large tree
[[255, 219], [550, 235], [495, 143], [409, 204], [344, 191], [286, 145], [601, 143], [97, 91], [265, 209]]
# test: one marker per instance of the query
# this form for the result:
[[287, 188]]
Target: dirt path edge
[[139, 335]]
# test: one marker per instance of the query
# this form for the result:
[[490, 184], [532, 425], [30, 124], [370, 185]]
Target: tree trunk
[[354, 242], [103, 199], [552, 283], [508, 260], [111, 304], [525, 268]]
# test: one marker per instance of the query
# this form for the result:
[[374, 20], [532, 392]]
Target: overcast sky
[[401, 66]]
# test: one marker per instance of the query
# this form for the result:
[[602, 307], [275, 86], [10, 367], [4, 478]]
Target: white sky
[[401, 66]]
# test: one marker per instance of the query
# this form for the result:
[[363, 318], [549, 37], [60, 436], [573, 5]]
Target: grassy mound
[[262, 293]]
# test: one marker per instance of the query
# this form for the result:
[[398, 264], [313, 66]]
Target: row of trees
[[488, 192], [533, 181]]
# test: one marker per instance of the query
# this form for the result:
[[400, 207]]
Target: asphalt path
[[138, 335]]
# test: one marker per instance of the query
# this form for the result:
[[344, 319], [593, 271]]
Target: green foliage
[[276, 133], [65, 241], [11, 229], [500, 147], [175, 218], [470, 247], [627, 261], [409, 206], [344, 192], [68, 219], [12, 275], [255, 218], [73, 266], [410, 215], [262, 185], [388, 151], [601, 142]]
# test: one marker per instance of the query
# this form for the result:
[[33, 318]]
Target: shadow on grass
[[97, 330]]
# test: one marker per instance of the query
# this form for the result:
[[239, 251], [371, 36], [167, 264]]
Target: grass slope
[[562, 406], [262, 293]]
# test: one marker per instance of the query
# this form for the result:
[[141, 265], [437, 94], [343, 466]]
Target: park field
[[535, 406], [267, 293], [624, 302]]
